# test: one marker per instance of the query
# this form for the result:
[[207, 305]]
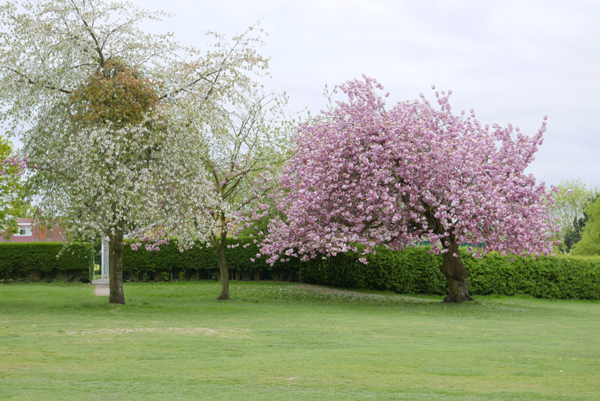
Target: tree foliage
[[364, 174], [12, 205], [571, 200], [590, 237], [574, 235], [115, 93]]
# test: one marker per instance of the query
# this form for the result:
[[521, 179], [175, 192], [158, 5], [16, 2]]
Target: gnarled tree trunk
[[115, 266], [455, 272]]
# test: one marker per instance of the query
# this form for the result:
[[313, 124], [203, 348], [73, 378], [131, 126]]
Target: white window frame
[[28, 230]]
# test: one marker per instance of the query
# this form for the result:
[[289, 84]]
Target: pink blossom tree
[[364, 174]]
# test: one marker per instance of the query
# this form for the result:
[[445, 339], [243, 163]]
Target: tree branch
[[32, 82]]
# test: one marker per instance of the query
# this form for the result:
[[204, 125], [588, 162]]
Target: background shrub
[[200, 262], [410, 271], [37, 260], [561, 277], [416, 271]]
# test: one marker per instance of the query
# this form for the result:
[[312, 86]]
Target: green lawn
[[287, 341]]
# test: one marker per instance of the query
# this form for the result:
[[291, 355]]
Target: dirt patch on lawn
[[225, 333]]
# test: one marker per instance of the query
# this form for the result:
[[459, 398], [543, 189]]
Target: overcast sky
[[511, 61]]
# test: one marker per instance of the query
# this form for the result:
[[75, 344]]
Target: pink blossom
[[364, 173]]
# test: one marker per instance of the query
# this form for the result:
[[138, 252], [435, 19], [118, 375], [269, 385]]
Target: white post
[[105, 275], [105, 256]]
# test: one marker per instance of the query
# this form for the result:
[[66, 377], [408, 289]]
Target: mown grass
[[287, 341]]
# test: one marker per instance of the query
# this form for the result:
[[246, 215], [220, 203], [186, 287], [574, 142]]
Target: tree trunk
[[455, 272], [220, 252], [116, 266]]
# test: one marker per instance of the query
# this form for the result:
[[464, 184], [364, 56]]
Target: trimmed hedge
[[416, 271], [561, 277], [201, 262], [37, 260], [410, 271]]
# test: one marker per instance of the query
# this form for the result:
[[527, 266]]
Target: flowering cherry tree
[[365, 174], [103, 110]]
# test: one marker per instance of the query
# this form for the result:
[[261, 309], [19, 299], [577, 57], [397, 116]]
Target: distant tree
[[570, 202], [362, 173], [589, 244], [573, 236]]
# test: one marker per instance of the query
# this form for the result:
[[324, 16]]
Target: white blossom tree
[[243, 147], [101, 107]]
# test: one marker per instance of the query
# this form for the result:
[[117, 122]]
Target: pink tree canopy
[[361, 174]]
